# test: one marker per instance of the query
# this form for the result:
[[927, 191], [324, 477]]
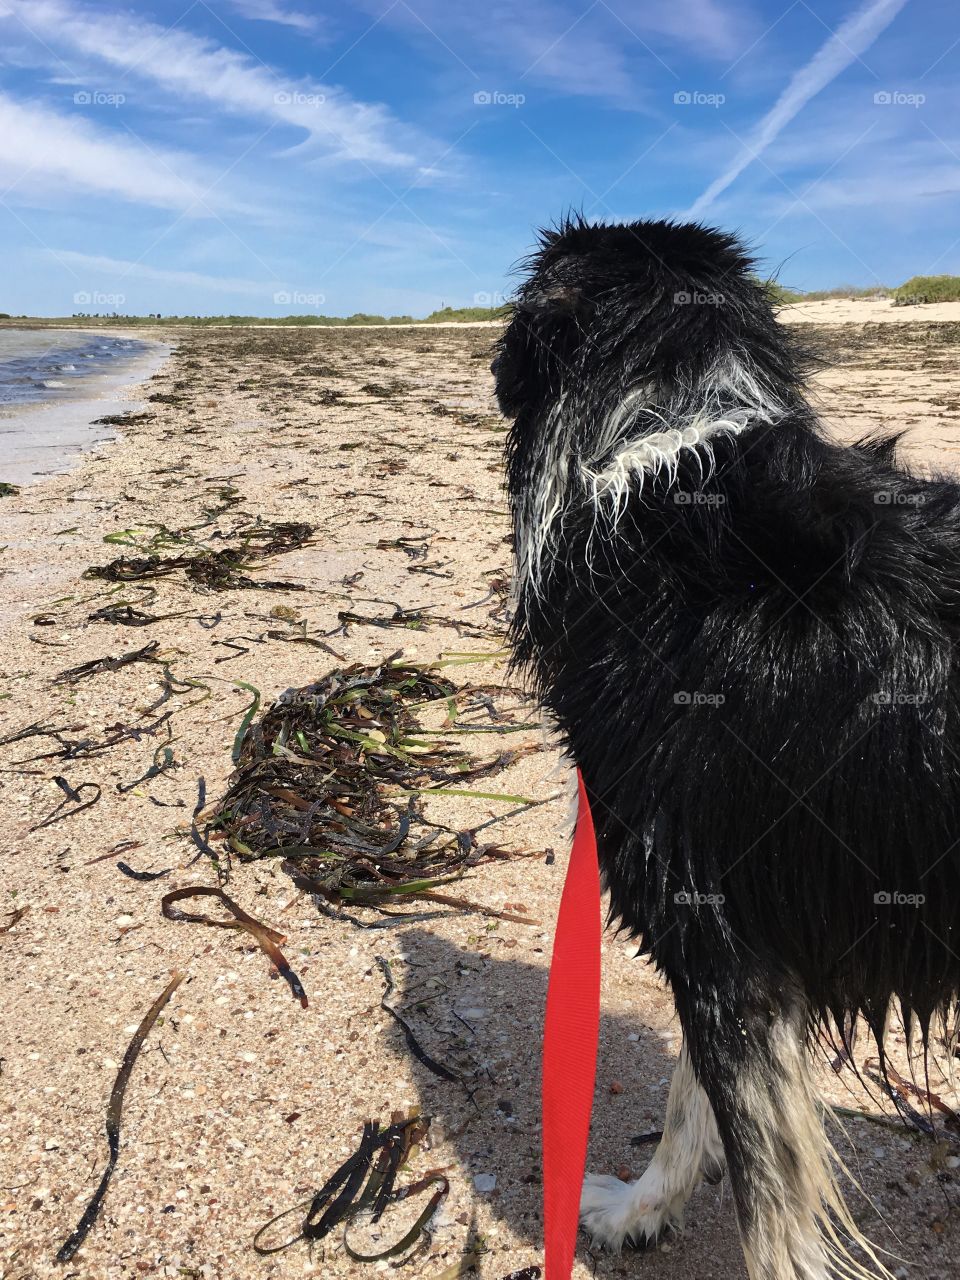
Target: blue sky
[[275, 156]]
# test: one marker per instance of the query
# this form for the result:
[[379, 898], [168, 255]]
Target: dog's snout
[[494, 365]]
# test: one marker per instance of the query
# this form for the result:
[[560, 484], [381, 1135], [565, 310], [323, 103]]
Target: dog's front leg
[[615, 1212]]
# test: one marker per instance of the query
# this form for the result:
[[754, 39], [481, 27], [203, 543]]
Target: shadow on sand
[[482, 1015]]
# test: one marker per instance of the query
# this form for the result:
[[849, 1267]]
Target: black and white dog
[[746, 634]]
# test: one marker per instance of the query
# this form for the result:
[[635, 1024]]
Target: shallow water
[[37, 365], [54, 385]]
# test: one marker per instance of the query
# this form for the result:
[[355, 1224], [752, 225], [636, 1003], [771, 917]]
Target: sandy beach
[[387, 443], [868, 311]]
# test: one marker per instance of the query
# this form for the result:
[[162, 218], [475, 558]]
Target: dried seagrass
[[220, 569], [332, 777]]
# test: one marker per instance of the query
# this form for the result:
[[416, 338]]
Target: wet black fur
[[817, 592]]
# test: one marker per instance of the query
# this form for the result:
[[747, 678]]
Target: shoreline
[[52, 434]]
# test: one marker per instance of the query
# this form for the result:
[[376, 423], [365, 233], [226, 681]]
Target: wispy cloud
[[41, 148], [578, 48], [192, 67], [98, 267], [271, 11], [852, 38], [707, 27]]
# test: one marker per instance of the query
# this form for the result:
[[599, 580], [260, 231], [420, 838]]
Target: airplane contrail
[[854, 35]]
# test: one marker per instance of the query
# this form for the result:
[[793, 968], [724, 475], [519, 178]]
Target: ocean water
[[37, 365], [54, 386]]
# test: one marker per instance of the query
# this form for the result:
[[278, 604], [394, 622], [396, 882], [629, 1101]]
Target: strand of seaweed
[[366, 1182]]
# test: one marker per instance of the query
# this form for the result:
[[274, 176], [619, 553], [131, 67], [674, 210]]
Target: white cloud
[[271, 11], [43, 148], [194, 68], [98, 266], [852, 38]]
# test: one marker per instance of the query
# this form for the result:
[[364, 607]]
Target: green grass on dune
[[782, 296], [921, 289]]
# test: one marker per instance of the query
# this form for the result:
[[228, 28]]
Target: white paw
[[615, 1213]]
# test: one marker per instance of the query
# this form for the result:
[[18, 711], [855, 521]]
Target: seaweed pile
[[221, 569], [333, 778]]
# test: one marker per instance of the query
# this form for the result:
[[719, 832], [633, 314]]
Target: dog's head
[[630, 345], [616, 307]]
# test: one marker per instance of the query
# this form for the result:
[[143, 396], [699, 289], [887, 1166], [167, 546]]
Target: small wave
[[51, 383]]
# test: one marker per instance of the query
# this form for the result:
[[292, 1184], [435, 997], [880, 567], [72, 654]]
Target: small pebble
[[485, 1181]]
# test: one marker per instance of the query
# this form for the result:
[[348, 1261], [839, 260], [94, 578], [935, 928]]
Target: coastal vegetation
[[918, 290]]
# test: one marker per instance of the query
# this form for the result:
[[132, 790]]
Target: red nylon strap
[[570, 1038]]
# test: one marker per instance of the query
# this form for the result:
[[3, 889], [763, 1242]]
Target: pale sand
[[242, 1103], [867, 311]]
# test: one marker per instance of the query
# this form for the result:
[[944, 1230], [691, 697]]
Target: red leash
[[570, 1038]]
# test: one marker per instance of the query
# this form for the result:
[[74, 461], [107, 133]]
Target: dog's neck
[[642, 438]]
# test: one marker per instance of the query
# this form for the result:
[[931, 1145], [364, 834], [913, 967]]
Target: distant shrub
[[5, 316], [782, 296], [921, 289], [460, 315], [779, 295], [852, 291]]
